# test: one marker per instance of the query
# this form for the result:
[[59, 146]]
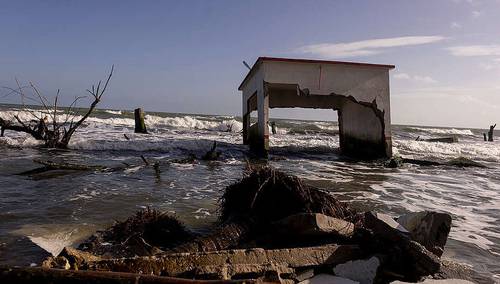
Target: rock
[[314, 224], [77, 258], [407, 257], [328, 279], [394, 162], [442, 281], [419, 261], [56, 262], [364, 270], [385, 226], [430, 229]]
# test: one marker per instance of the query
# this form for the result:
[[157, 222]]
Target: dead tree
[[490, 133], [45, 124]]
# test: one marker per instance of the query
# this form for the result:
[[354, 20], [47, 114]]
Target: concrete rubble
[[274, 228], [314, 224], [363, 271]]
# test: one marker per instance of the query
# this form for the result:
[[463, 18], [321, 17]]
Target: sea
[[41, 214]]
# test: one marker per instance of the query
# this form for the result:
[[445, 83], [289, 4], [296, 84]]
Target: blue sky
[[185, 56]]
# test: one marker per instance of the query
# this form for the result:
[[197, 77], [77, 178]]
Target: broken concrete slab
[[271, 272], [328, 279], [304, 275], [362, 270], [314, 224], [430, 229], [186, 263], [385, 226]]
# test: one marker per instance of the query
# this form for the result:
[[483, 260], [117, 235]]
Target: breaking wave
[[116, 112], [443, 130]]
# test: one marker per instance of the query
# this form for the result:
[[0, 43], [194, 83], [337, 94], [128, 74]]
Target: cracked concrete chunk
[[364, 270], [180, 263], [314, 224], [385, 226], [430, 229]]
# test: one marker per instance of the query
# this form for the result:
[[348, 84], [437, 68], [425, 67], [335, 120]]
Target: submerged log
[[140, 126], [63, 167], [452, 139]]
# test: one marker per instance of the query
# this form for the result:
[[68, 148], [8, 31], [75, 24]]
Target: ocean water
[[53, 211]]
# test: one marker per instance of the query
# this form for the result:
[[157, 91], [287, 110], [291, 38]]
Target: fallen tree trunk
[[51, 166], [55, 276]]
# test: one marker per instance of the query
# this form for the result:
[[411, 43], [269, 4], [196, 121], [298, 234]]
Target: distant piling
[[140, 126]]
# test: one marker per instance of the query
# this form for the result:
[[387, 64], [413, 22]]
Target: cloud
[[455, 25], [402, 76], [476, 14], [475, 50], [364, 47], [416, 78]]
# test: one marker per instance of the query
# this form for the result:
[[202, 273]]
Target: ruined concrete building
[[359, 92]]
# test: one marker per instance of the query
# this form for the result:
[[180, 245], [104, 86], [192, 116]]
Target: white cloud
[[365, 47], [475, 50], [476, 14], [416, 78], [424, 79], [497, 60], [455, 25], [401, 76]]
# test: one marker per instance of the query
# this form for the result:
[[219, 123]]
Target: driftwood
[[51, 166], [490, 133], [452, 139], [462, 162], [45, 125], [55, 276]]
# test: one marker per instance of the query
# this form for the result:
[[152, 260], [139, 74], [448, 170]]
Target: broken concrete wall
[[362, 130]]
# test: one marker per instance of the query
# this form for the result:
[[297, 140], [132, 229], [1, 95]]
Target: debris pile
[[273, 227]]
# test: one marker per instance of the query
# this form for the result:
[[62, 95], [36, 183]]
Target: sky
[[186, 56]]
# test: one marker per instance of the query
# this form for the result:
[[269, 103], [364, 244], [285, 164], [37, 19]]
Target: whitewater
[[40, 216]]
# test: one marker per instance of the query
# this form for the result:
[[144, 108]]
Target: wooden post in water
[[140, 126], [490, 133]]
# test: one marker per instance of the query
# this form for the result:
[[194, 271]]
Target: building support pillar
[[263, 120]]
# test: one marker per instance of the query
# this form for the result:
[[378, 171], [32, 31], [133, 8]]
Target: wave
[[190, 122], [117, 112], [444, 130], [489, 152], [182, 122]]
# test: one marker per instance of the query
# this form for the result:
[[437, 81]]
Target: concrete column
[[263, 111], [246, 126]]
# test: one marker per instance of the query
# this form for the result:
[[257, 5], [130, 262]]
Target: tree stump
[[140, 126]]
